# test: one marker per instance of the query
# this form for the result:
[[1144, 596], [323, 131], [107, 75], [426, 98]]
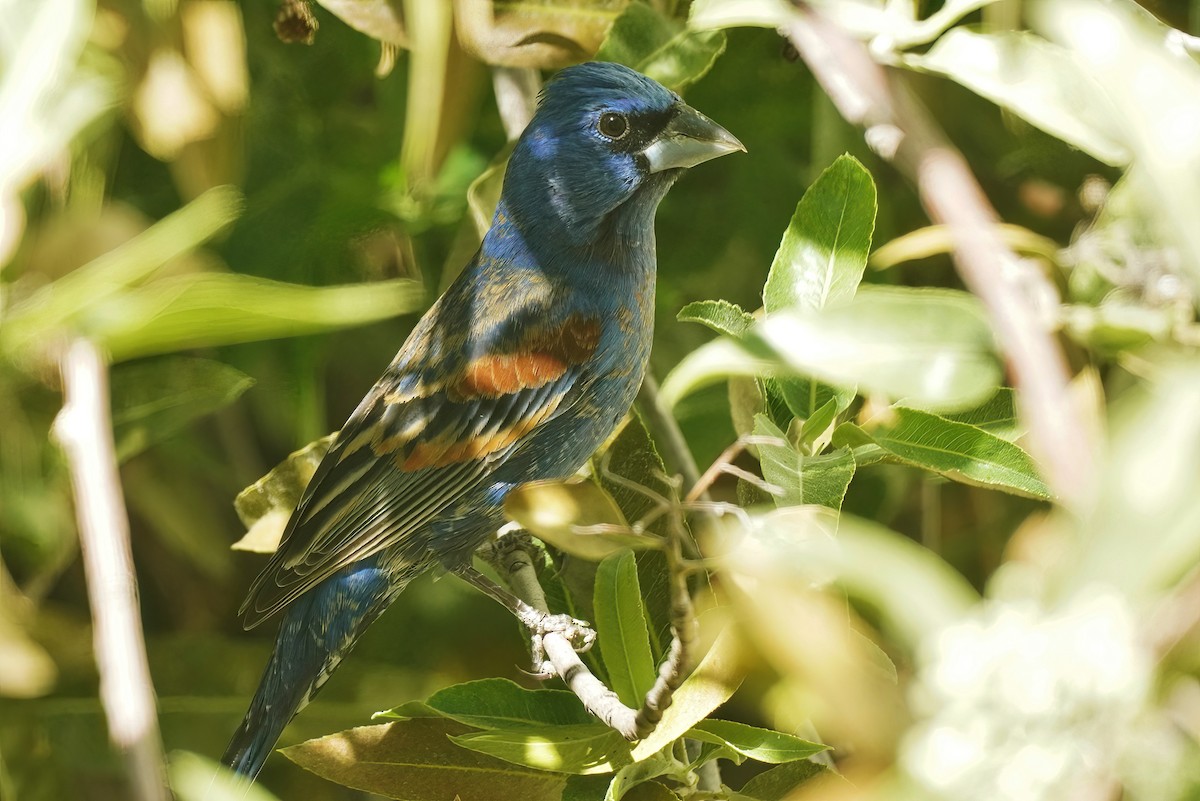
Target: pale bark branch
[[84, 430]]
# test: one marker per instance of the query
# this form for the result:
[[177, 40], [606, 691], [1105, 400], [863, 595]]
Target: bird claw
[[577, 632]]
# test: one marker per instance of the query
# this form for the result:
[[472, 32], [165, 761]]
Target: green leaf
[[1141, 532], [818, 422], [719, 315], [197, 778], [209, 309], [929, 346], [483, 195], [777, 783], [580, 749], [416, 760], [1037, 80], [77, 295], [660, 47], [821, 259], [28, 670], [997, 415], [576, 516], [634, 458], [715, 14], [711, 363], [763, 745], [498, 704], [151, 400], [910, 587], [804, 397], [265, 506], [650, 791], [711, 684], [639, 773], [958, 451], [544, 34], [803, 479], [621, 629]]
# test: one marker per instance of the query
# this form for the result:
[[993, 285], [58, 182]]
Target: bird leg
[[577, 632]]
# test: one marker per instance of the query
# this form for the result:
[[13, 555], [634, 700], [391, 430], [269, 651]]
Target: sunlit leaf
[[1143, 531], [197, 778], [1038, 80], [26, 669], [1115, 325], [266, 505], [719, 315], [958, 451], [660, 47], [151, 400], [208, 309], [935, 240], [803, 479], [484, 194], [818, 422], [712, 14], [622, 630], [584, 749], [639, 773], [498, 704], [932, 347], [910, 586], [45, 103], [417, 760], [711, 684], [821, 259], [545, 34], [577, 516], [711, 363], [86, 288], [763, 745]]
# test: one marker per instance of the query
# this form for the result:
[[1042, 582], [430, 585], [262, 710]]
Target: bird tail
[[317, 631]]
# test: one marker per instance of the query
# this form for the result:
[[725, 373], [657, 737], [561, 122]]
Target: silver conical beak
[[689, 139]]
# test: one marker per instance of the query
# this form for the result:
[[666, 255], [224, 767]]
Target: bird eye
[[612, 125]]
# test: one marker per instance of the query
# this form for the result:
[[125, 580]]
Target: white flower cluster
[[1020, 704]]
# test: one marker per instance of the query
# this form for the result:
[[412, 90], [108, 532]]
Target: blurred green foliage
[[249, 229]]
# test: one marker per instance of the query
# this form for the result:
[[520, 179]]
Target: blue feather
[[519, 372]]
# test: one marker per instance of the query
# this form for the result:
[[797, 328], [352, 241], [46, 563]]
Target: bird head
[[603, 135]]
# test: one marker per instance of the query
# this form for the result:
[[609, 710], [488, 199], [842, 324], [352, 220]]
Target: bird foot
[[579, 633]]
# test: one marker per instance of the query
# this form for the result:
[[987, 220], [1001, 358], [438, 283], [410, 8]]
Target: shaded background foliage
[[312, 137]]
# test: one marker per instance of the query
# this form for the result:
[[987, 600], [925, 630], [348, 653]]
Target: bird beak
[[689, 139]]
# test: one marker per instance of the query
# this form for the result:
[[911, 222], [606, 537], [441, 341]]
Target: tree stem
[[84, 430]]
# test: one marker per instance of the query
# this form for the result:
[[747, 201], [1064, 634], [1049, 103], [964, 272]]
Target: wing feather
[[404, 457]]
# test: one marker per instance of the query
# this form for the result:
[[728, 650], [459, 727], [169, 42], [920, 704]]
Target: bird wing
[[421, 438]]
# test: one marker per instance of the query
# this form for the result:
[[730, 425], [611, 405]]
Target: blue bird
[[518, 372]]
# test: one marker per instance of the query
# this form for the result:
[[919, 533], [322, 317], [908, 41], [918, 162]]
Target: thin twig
[[683, 630], [513, 559], [84, 430], [664, 428], [901, 130]]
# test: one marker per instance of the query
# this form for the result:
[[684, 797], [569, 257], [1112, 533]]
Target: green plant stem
[[665, 431]]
